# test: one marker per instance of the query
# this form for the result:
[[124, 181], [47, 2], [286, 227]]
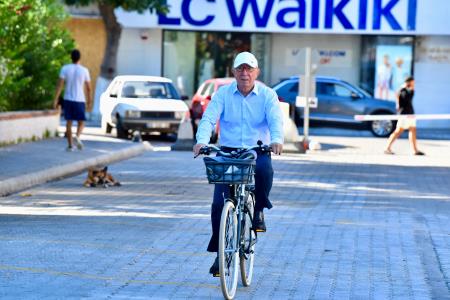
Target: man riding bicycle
[[247, 111]]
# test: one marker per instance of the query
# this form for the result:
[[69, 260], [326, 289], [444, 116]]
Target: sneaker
[[419, 153], [258, 222], [78, 143], [214, 270], [69, 149]]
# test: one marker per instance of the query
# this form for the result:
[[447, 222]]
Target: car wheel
[[172, 136], [106, 127], [382, 128], [121, 132], [194, 126], [214, 138], [298, 118]]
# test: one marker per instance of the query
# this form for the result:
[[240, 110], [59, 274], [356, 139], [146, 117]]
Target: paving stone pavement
[[348, 223]]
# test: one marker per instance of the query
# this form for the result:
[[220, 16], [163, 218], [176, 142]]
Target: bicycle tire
[[228, 251], [247, 254]]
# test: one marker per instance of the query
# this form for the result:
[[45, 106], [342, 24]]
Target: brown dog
[[100, 177]]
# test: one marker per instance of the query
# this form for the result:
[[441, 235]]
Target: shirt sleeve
[[62, 73], [274, 117], [88, 77], [210, 117]]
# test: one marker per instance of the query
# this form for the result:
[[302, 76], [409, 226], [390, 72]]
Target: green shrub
[[33, 46]]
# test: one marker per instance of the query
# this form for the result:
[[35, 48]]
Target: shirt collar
[[254, 91]]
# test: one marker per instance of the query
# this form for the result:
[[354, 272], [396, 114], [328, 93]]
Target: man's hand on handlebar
[[276, 148], [197, 148]]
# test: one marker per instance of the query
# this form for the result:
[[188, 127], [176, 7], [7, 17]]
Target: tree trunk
[[113, 31]]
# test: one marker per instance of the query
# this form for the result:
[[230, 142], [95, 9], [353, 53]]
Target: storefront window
[[179, 55], [386, 62], [193, 57], [216, 51], [261, 48]]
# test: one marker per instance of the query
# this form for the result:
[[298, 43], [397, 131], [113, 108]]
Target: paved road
[[348, 223]]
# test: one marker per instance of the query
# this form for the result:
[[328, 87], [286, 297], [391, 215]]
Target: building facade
[[371, 43]]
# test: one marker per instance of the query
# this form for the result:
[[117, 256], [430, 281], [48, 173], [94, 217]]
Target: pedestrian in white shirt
[[75, 80]]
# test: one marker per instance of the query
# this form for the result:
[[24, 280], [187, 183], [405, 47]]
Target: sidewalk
[[28, 164]]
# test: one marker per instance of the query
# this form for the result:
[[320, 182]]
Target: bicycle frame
[[237, 196]]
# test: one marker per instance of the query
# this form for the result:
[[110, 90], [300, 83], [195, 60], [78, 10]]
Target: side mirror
[[355, 96]]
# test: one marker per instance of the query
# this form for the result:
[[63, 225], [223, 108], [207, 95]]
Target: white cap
[[245, 58]]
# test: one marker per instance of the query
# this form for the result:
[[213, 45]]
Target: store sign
[[434, 54], [339, 58], [335, 58], [416, 17], [297, 15]]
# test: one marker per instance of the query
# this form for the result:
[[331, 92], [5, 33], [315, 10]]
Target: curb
[[22, 182]]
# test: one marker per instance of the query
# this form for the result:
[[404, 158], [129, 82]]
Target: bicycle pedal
[[260, 230], [216, 275]]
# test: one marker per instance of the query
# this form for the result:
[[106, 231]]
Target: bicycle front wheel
[[228, 250], [247, 252]]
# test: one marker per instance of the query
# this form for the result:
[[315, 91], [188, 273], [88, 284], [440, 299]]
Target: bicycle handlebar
[[206, 150]]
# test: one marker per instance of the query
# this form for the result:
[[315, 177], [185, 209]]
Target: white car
[[143, 103]]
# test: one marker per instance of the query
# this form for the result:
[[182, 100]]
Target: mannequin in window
[[206, 68]]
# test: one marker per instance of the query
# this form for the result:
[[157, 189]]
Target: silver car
[[338, 103]]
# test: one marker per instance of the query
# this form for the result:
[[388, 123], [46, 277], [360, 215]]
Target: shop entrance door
[[215, 52]]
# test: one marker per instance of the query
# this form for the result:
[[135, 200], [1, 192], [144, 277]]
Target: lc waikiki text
[[349, 15]]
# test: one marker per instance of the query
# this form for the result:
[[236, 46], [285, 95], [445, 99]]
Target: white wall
[[137, 56], [284, 66], [27, 125], [432, 76]]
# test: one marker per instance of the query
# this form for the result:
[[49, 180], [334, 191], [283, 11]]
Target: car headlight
[[132, 114], [179, 114]]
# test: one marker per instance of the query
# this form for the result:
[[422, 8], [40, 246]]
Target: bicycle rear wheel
[[228, 250], [247, 253]]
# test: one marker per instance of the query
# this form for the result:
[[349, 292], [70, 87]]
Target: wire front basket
[[230, 171]]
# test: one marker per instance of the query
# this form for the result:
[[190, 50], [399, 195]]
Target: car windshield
[[149, 89]]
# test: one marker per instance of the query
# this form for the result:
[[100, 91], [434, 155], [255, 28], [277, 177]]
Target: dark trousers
[[263, 185]]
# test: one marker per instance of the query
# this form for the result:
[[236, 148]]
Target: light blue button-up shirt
[[243, 120]]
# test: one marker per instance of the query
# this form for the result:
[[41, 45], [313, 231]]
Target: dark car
[[338, 103]]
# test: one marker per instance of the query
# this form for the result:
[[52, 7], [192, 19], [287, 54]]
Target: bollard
[[292, 141], [185, 137]]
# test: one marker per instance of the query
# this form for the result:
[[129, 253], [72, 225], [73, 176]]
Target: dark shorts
[[74, 110]]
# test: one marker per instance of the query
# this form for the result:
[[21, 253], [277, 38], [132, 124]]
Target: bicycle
[[236, 235]]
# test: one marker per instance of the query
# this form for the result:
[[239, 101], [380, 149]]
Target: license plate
[[158, 125]]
